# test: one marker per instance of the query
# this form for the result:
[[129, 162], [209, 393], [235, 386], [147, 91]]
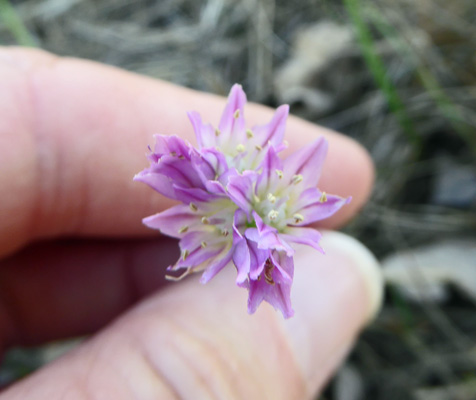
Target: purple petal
[[166, 145], [273, 132], [314, 206], [241, 257], [240, 190], [268, 178], [277, 294], [198, 257], [307, 236], [192, 195], [173, 220], [267, 238], [216, 265], [204, 133], [158, 182], [229, 122], [307, 162]]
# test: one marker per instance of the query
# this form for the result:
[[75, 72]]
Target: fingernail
[[364, 262], [334, 295]]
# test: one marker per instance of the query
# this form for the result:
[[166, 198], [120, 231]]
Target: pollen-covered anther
[[323, 197], [236, 114], [258, 147], [279, 173], [273, 214], [298, 218], [249, 133], [183, 229], [297, 179], [205, 220], [203, 244], [240, 148], [193, 207], [271, 198]]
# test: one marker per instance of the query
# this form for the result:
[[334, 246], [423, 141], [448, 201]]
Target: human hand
[[75, 255]]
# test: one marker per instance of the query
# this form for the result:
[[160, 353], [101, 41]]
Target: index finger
[[73, 134]]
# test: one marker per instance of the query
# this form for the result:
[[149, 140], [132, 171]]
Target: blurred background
[[399, 76]]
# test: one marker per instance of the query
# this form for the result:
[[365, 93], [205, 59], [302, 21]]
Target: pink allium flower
[[240, 202]]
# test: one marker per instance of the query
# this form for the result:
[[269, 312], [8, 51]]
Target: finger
[[54, 290], [194, 341], [73, 134]]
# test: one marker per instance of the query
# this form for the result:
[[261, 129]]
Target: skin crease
[[72, 136]]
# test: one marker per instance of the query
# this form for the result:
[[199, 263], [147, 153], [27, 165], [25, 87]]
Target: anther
[[323, 197], [225, 232], [240, 148], [236, 114], [297, 178], [249, 133], [185, 254], [193, 207], [279, 173], [217, 132], [203, 244], [183, 229], [298, 218], [273, 214], [173, 154], [258, 147], [271, 198], [205, 221], [256, 199]]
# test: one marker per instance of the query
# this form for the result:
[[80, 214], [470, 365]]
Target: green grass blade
[[378, 71], [15, 25]]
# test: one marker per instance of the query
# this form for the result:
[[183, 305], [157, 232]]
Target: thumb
[[194, 341]]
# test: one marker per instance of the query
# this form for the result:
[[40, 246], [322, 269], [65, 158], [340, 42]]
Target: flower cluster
[[240, 202]]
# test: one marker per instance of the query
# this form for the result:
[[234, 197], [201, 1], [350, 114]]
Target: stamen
[[236, 114], [249, 133], [185, 254], [217, 132], [183, 229], [273, 214], [205, 221], [271, 198], [298, 218], [173, 154], [323, 197], [297, 178], [256, 199], [258, 147], [268, 269], [193, 207], [240, 148], [279, 173], [180, 277], [225, 232], [203, 244]]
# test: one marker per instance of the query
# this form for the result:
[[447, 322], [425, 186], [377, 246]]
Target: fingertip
[[334, 296]]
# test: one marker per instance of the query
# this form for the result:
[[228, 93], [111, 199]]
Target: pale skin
[[77, 260]]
